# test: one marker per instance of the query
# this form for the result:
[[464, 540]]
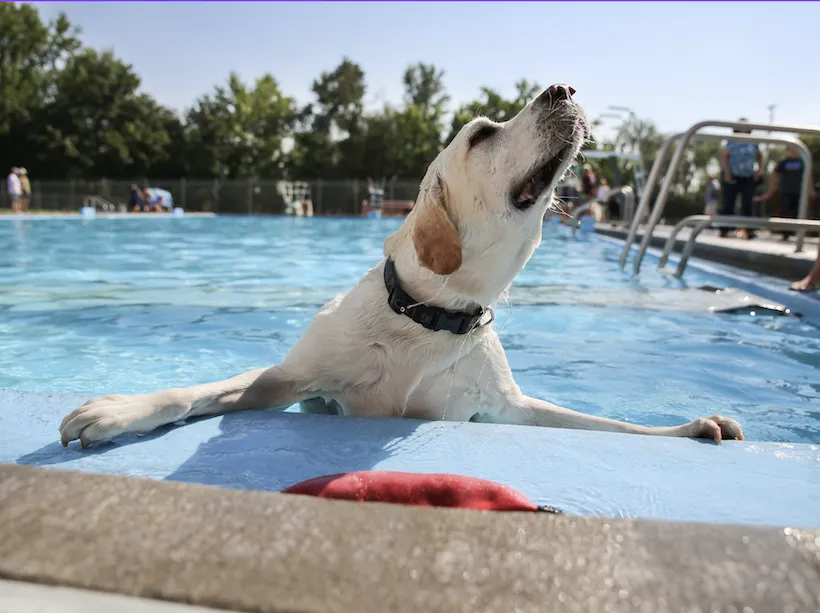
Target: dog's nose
[[556, 93]]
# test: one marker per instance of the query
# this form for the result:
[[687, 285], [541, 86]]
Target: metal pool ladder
[[801, 225]]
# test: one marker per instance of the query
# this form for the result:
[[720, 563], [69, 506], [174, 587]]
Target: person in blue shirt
[[742, 163]]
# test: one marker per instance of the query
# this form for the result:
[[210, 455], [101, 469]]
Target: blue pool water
[[133, 306]]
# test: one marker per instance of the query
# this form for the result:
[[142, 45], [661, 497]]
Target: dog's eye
[[482, 134]]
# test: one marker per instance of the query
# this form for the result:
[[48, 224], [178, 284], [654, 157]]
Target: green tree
[[239, 131], [30, 52], [419, 126], [97, 124], [424, 88], [494, 106], [328, 141]]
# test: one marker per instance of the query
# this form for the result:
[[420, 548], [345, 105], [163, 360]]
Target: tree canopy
[[69, 111]]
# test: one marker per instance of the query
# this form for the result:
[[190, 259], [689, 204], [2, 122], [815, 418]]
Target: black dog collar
[[432, 318]]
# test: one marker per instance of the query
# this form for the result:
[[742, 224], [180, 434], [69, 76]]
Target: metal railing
[[701, 222], [683, 141], [337, 197], [628, 194], [98, 202]]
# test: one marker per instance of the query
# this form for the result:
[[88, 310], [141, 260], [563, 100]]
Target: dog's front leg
[[104, 418], [533, 411]]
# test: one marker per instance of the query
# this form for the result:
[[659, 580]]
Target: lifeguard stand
[[374, 205], [296, 195]]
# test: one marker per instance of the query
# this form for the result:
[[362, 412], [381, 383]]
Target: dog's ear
[[435, 237]]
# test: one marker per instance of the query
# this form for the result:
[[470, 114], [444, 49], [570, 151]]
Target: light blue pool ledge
[[585, 473]]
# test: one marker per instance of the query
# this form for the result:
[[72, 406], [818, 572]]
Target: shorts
[[711, 208], [15, 198]]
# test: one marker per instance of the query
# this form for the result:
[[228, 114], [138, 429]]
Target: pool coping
[[764, 257], [756, 281], [268, 552]]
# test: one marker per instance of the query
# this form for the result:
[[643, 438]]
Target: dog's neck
[[451, 292]]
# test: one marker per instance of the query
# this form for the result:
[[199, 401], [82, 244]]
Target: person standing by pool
[[740, 177], [787, 179], [135, 199], [603, 192], [14, 189], [712, 196], [25, 190], [588, 182]]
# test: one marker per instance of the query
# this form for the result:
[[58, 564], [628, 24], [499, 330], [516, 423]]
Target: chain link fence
[[232, 197]]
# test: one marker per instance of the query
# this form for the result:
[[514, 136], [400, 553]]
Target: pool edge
[[761, 283], [256, 551]]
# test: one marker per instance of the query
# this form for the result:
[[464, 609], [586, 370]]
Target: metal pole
[[631, 121], [643, 203]]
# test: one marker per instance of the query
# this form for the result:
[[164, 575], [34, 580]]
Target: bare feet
[[811, 283]]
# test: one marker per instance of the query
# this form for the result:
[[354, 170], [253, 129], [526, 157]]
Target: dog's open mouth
[[524, 196]]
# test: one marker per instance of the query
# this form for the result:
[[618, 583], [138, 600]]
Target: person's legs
[[746, 186], [789, 203], [15, 203], [727, 207]]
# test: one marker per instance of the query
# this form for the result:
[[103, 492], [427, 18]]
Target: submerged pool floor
[[584, 473]]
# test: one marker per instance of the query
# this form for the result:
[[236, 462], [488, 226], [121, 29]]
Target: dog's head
[[481, 204]]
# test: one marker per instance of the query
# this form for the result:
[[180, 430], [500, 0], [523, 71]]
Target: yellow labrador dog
[[413, 338]]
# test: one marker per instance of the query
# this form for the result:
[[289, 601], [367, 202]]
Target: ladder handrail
[[629, 204], [93, 200], [666, 186], [578, 213], [701, 222]]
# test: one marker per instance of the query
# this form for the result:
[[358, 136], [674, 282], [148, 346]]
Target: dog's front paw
[[717, 428], [104, 418]]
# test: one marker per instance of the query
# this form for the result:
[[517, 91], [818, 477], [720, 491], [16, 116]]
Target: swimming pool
[[133, 306]]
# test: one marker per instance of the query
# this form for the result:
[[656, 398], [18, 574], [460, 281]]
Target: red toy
[[422, 490]]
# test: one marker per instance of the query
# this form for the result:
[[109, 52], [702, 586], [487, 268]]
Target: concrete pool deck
[[767, 255], [116, 542]]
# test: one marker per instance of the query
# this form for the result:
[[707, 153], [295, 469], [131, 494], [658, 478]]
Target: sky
[[673, 63]]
